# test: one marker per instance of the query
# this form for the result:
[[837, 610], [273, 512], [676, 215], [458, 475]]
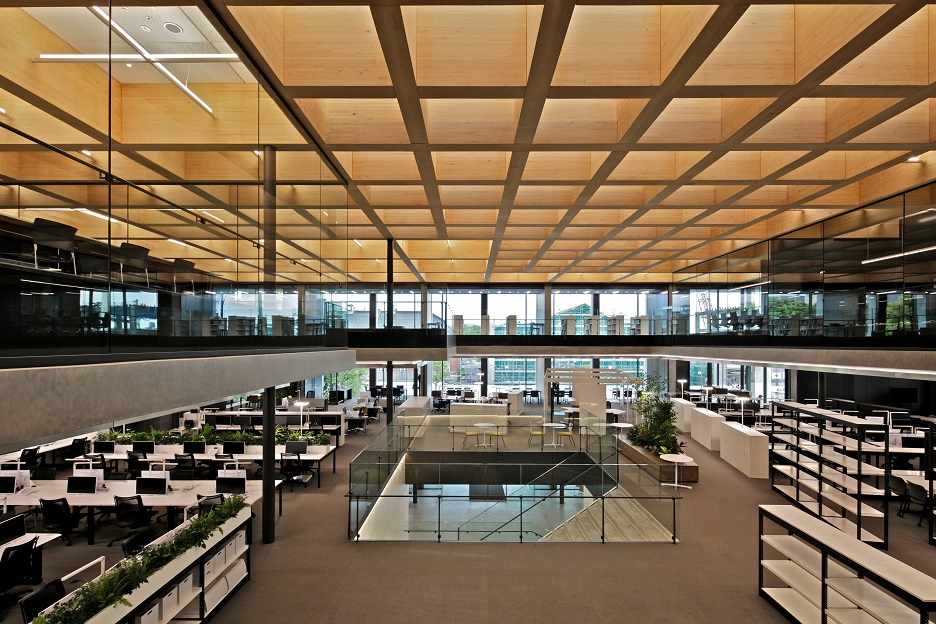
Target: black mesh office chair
[[131, 514], [136, 463], [44, 472], [207, 503], [291, 470], [58, 517], [39, 600], [185, 461], [137, 541], [16, 566]]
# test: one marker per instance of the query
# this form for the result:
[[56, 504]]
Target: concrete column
[[547, 311], [389, 284], [269, 218], [424, 305], [269, 466]]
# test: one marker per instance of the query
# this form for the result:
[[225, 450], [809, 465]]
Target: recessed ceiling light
[[87, 153], [228, 260], [914, 159], [146, 28], [176, 242], [172, 27], [129, 64]]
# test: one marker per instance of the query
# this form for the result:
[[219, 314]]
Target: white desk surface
[[184, 494], [43, 538], [43, 448]]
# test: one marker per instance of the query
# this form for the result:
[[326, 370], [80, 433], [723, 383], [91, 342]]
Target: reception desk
[[706, 428], [745, 449]]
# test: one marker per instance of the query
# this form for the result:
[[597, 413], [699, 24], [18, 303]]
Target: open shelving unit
[[928, 425], [816, 574], [818, 462], [192, 587]]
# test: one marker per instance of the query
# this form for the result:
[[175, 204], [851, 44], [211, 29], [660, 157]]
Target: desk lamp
[[708, 397], [682, 388], [301, 405]]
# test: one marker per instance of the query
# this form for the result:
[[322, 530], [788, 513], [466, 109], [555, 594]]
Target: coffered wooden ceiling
[[552, 142]]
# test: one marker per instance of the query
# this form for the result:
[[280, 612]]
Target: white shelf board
[[795, 604], [805, 583], [805, 556]]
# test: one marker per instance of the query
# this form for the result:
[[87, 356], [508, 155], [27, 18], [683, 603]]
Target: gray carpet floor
[[312, 573]]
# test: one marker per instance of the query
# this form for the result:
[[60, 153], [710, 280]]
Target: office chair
[[185, 461], [16, 567], [131, 514], [137, 541], [39, 600], [136, 463], [291, 470], [207, 503], [898, 488], [58, 517], [77, 448], [182, 474], [917, 494], [97, 461], [29, 458]]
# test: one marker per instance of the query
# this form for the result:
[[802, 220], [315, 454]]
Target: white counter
[[745, 449], [684, 414], [706, 427]]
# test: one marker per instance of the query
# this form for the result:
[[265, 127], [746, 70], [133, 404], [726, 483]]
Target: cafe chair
[[131, 514], [137, 541], [291, 470], [536, 432], [58, 517], [497, 437], [16, 567], [567, 433], [469, 433], [37, 601]]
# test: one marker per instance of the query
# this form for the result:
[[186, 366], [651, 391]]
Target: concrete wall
[[48, 402]]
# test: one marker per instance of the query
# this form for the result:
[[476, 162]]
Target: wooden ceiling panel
[[758, 51], [901, 57], [578, 121], [470, 195], [470, 45], [471, 121], [363, 166], [611, 45], [562, 165], [325, 46], [618, 144], [470, 165]]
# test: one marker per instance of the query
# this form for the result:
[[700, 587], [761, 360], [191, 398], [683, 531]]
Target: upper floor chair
[[57, 237], [58, 517]]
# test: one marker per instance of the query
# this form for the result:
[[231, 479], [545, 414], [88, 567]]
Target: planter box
[[158, 584], [658, 467]]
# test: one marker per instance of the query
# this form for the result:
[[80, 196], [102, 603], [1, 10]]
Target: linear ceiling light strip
[[149, 57]]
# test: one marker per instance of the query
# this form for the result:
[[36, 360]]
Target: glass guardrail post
[[674, 518], [602, 519], [439, 525], [521, 518]]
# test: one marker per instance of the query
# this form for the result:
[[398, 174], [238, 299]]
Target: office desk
[[185, 495], [51, 447], [42, 539], [313, 458]]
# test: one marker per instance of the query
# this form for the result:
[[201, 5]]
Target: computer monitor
[[152, 485], [103, 447], [502, 396], [256, 421], [223, 420], [436, 394], [233, 448], [299, 448], [231, 485], [192, 446], [7, 485], [12, 527], [81, 485], [148, 447]]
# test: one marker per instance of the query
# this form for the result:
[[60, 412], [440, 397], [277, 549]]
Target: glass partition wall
[[866, 274], [153, 194]]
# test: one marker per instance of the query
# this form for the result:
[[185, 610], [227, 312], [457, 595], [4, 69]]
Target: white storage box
[[150, 616], [169, 602], [230, 551], [215, 594], [240, 541], [186, 585]]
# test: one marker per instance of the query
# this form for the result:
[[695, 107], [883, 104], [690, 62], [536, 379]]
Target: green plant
[[657, 430], [112, 587]]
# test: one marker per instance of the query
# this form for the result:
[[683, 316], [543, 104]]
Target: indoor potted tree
[[656, 432]]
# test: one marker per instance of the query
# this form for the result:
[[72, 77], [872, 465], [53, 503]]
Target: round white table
[[483, 426], [676, 459], [555, 427]]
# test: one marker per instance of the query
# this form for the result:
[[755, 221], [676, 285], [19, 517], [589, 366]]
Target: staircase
[[625, 520]]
